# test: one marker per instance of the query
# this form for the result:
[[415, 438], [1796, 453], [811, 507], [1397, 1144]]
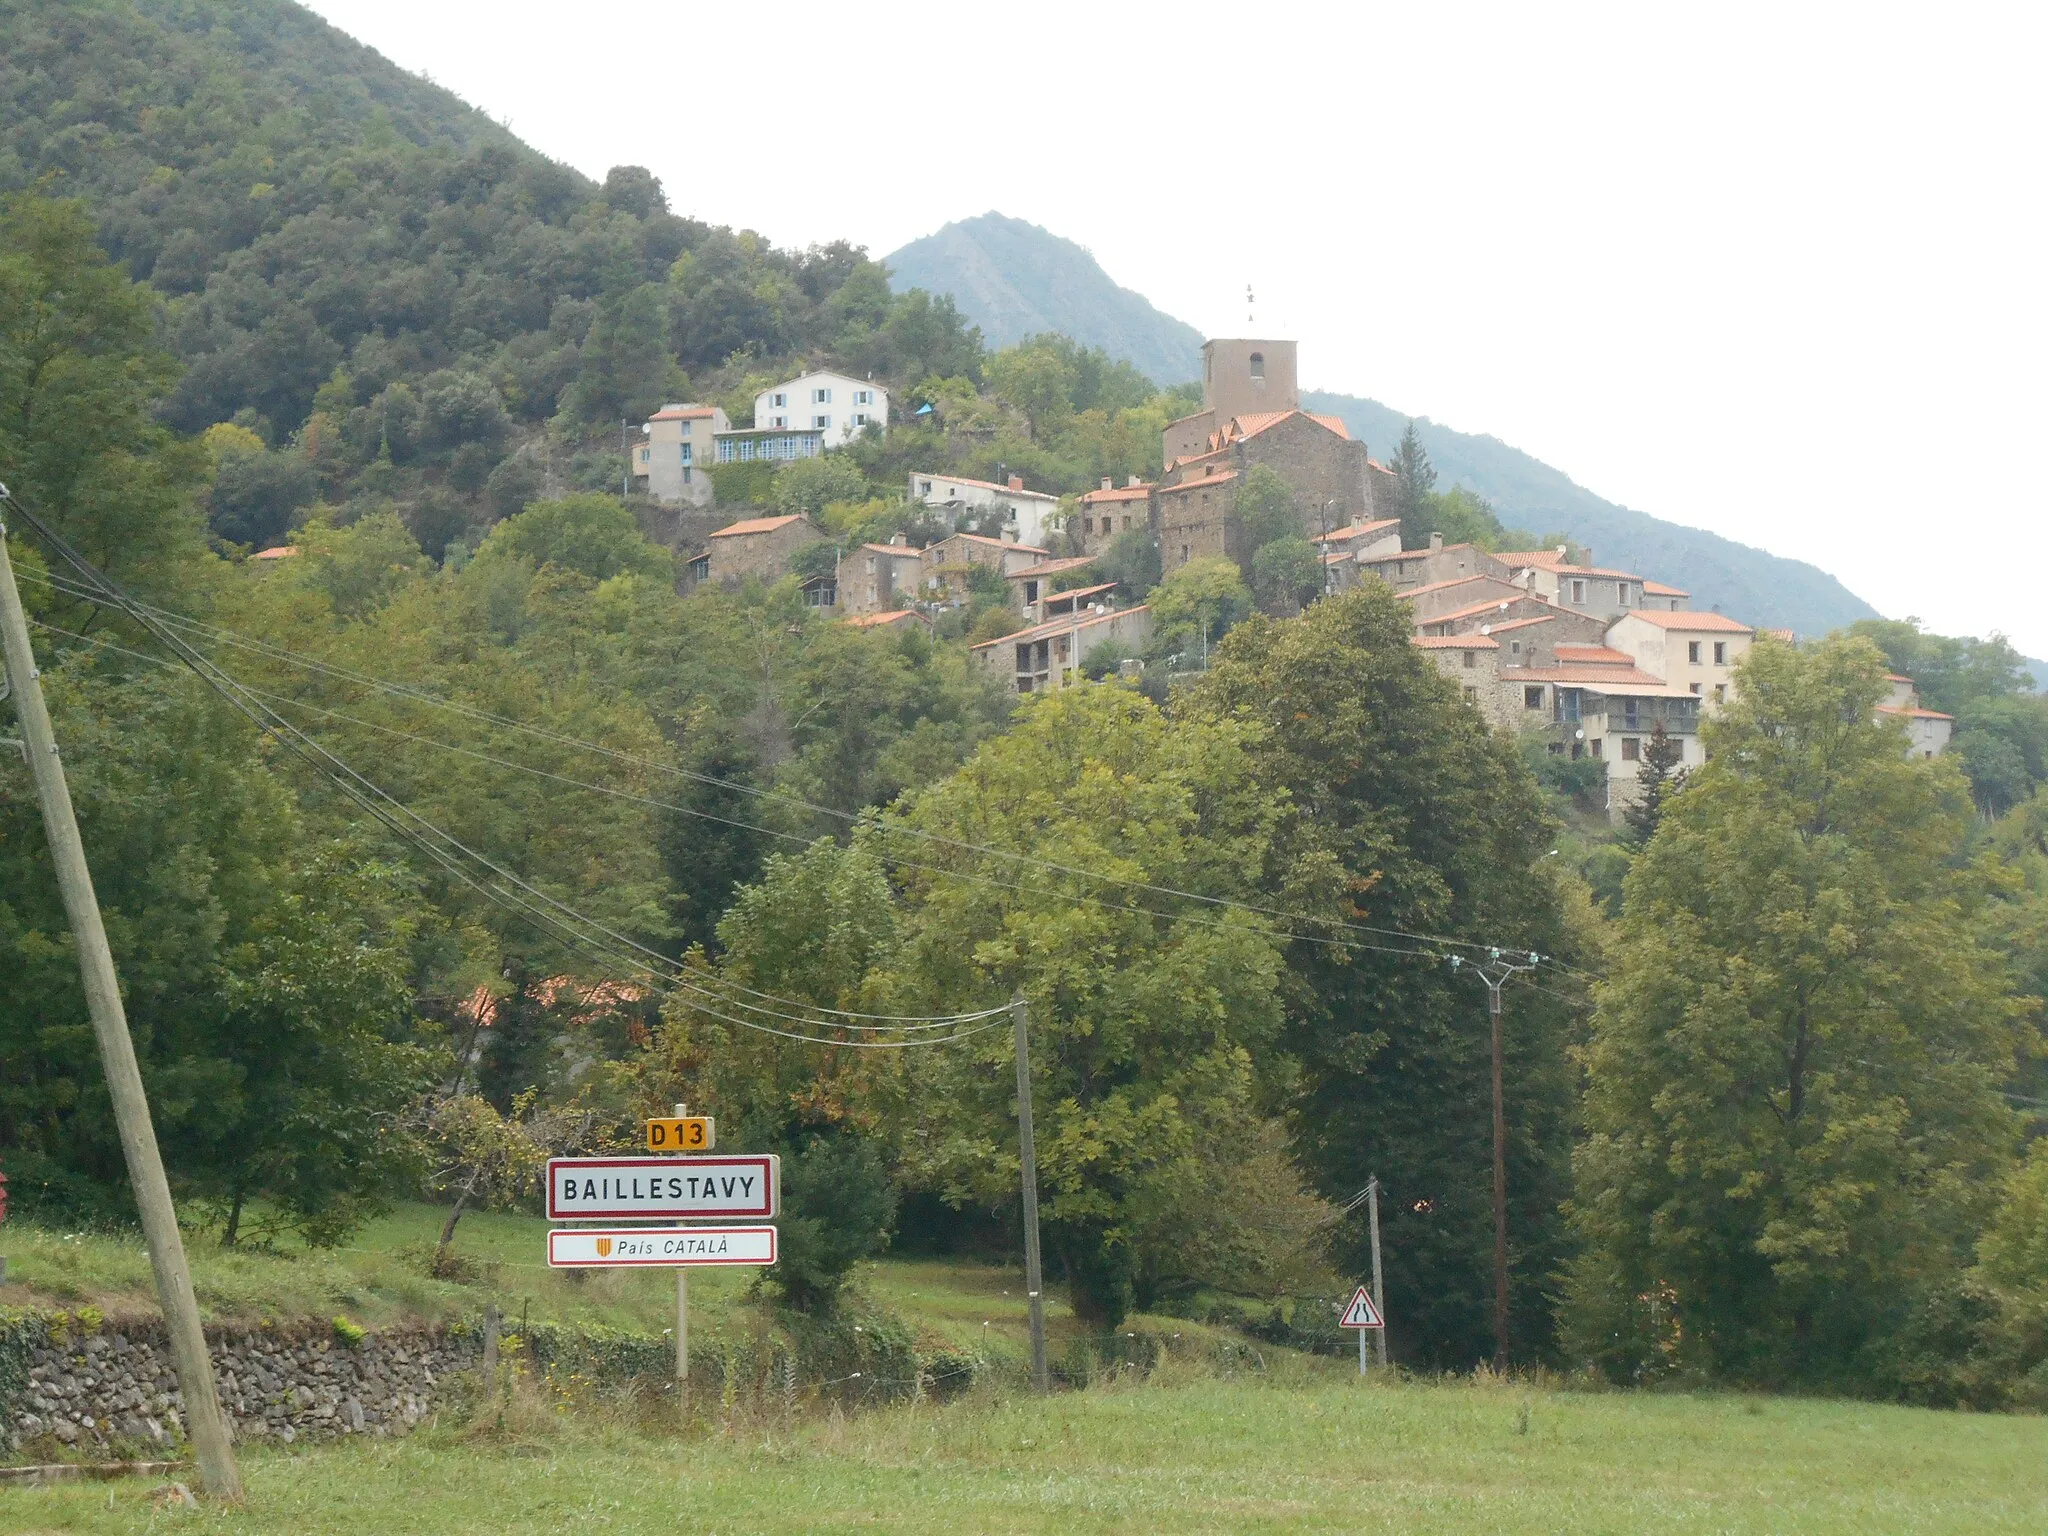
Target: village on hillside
[[1602, 662]]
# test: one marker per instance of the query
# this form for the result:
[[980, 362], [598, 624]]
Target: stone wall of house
[[112, 1387], [1327, 471]]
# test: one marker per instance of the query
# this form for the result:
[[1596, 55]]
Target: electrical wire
[[560, 921], [402, 690]]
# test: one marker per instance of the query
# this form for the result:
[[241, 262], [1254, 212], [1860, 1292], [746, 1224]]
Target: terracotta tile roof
[[1913, 714], [1214, 477], [1047, 568], [683, 413], [756, 525], [872, 620], [894, 549], [1118, 493], [1718, 623], [1604, 679], [1594, 570], [982, 485], [281, 552], [1658, 589], [1063, 626], [1077, 593], [1455, 642], [1786, 635], [1521, 557], [1252, 423], [1491, 605], [1356, 531], [1602, 655], [1897, 677], [1540, 618], [978, 538], [1439, 586]]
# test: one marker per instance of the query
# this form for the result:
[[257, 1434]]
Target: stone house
[[1533, 641], [1671, 599], [1361, 540], [1457, 595], [1473, 663], [1594, 701], [947, 562], [1031, 583], [1050, 655], [757, 546], [880, 578], [1588, 588], [1109, 512], [1927, 730], [676, 451], [1695, 652], [1198, 519], [1402, 569], [1485, 615]]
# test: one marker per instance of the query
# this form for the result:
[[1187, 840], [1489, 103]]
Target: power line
[[422, 696], [368, 795]]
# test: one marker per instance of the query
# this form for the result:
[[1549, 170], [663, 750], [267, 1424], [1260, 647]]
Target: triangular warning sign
[[1361, 1313]]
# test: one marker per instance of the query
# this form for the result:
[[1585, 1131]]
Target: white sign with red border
[[663, 1188], [664, 1247], [1361, 1313]]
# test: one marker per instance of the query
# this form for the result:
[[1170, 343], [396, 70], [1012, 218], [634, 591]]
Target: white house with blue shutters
[[839, 407]]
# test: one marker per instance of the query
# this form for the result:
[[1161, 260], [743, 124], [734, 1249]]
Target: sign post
[[1362, 1315]]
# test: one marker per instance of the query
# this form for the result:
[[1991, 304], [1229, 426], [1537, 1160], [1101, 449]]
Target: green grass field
[[1192, 1456], [1199, 1444]]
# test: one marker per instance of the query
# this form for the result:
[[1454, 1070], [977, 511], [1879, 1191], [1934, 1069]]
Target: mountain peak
[[1014, 279]]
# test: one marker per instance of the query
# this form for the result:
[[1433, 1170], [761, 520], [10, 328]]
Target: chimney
[[1132, 482], [898, 539], [1436, 542], [1109, 482], [1589, 555], [1016, 482]]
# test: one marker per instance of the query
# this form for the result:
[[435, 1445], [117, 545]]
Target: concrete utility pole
[[203, 1421], [1379, 1290], [1495, 971], [1027, 1158]]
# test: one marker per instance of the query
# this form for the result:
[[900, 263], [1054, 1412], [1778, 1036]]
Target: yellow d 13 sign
[[687, 1133]]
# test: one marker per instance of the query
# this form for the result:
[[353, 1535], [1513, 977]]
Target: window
[[821, 397], [1259, 367], [687, 472], [1030, 591], [1631, 749], [645, 454], [1514, 647], [778, 400], [863, 397], [1621, 594], [821, 422], [1720, 693], [1692, 654], [686, 429], [778, 421], [700, 568], [1471, 659], [860, 419], [1720, 653], [1471, 695], [1532, 697], [1695, 689], [686, 453], [1578, 591], [924, 487], [1595, 745]]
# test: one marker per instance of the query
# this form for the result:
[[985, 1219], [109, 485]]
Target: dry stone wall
[[112, 1387]]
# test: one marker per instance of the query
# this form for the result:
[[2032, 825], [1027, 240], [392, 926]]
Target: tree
[[592, 535], [1153, 1020], [1132, 561], [1414, 478], [810, 485], [1287, 574], [1266, 508], [80, 377], [1794, 1114], [626, 362], [1196, 606], [1656, 783], [1409, 817]]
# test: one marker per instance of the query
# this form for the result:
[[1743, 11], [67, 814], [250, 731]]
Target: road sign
[[662, 1188], [1361, 1313], [682, 1133], [661, 1247]]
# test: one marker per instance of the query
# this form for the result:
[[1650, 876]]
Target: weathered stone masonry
[[115, 1386]]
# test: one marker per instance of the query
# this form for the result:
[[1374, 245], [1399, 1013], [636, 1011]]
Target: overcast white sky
[[1775, 271]]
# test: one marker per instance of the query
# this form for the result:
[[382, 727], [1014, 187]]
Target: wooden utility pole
[[1027, 1158], [1496, 970], [203, 1421]]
